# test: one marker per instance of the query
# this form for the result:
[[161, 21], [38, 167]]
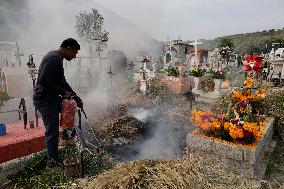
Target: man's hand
[[80, 104], [67, 94], [78, 101]]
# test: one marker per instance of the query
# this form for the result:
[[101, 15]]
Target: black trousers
[[49, 108]]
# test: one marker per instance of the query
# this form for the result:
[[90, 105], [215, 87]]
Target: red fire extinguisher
[[68, 112]]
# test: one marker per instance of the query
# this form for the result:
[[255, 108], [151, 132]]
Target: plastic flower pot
[[218, 84], [196, 82], [225, 84]]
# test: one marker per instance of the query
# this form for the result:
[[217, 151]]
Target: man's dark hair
[[70, 43]]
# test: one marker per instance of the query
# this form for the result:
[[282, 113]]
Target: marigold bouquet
[[246, 94], [240, 123], [220, 126]]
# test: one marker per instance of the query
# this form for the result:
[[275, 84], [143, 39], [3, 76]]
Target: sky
[[47, 22], [199, 18]]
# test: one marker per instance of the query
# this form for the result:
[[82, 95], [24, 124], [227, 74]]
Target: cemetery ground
[[119, 128], [181, 172]]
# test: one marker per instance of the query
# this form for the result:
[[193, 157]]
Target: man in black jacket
[[50, 88]]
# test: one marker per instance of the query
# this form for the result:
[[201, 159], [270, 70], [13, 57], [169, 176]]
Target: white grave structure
[[195, 43], [144, 75]]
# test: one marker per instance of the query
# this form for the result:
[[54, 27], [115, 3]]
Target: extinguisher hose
[[90, 127]]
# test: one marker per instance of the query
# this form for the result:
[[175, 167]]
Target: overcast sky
[[199, 18]]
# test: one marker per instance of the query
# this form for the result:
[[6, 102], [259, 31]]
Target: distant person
[[50, 88], [239, 59]]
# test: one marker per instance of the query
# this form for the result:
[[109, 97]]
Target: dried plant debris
[[116, 128], [156, 90], [122, 127], [178, 174]]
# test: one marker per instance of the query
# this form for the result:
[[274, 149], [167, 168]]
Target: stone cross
[[195, 43], [145, 61]]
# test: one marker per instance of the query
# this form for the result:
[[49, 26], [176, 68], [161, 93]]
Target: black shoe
[[54, 165]]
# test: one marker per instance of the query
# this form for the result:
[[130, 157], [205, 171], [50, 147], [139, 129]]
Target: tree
[[89, 27], [226, 42], [226, 46]]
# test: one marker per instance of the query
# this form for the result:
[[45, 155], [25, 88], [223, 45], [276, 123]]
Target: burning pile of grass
[[179, 173], [116, 128], [126, 127]]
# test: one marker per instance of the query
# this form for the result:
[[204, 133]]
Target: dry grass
[[171, 174]]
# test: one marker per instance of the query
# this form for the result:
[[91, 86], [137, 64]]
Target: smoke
[[141, 114], [50, 22], [164, 144], [13, 18], [97, 100], [41, 25], [53, 21], [167, 136]]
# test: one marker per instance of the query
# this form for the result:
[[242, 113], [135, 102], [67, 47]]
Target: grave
[[19, 142], [180, 84], [249, 161]]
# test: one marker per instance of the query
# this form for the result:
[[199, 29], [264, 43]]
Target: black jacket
[[51, 80]]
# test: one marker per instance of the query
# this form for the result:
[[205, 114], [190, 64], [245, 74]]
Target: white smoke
[[164, 144], [164, 141], [141, 114]]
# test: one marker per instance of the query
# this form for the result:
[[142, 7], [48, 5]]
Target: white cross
[[195, 43]]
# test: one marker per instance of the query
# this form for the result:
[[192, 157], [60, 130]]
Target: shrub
[[217, 73], [172, 71], [273, 106], [206, 84], [198, 72]]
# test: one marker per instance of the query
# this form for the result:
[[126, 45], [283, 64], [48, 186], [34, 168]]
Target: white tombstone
[[143, 86]]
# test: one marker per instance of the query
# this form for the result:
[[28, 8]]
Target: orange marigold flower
[[227, 125], [236, 132], [259, 134]]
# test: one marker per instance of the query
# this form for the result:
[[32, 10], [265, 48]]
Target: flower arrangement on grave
[[225, 53], [197, 71], [227, 128], [246, 93], [217, 73], [239, 124], [172, 71], [206, 84], [253, 63]]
